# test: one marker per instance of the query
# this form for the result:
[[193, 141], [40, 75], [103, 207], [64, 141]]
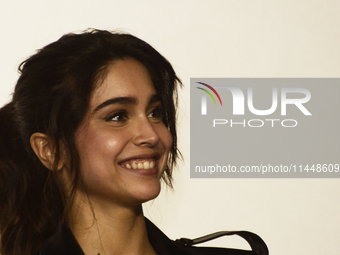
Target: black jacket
[[64, 243]]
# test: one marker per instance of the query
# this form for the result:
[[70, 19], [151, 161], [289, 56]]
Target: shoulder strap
[[256, 243]]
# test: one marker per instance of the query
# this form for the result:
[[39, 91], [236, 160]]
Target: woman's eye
[[118, 117], [156, 113]]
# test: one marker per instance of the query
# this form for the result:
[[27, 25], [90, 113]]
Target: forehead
[[125, 78]]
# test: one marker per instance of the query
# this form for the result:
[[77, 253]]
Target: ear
[[45, 150]]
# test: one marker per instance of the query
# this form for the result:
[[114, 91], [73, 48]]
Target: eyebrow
[[126, 101]]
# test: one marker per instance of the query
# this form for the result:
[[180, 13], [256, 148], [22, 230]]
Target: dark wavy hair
[[52, 96]]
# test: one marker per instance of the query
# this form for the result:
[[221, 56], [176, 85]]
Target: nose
[[145, 133]]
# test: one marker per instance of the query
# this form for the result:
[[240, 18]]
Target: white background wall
[[215, 38]]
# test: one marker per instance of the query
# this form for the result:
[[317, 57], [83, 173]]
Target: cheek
[[99, 147], [98, 152]]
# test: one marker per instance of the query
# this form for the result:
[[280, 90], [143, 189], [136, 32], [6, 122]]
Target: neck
[[106, 229]]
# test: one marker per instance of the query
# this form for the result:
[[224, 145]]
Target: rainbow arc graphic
[[212, 89]]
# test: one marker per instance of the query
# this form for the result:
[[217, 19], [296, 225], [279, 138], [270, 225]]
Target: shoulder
[[64, 243], [61, 243]]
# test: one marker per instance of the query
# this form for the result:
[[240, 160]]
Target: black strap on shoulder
[[256, 243]]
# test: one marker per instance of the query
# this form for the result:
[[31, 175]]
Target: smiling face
[[122, 142]]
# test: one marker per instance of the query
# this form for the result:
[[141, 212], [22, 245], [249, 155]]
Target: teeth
[[146, 165], [140, 165]]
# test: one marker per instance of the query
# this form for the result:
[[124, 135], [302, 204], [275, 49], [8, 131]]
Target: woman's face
[[122, 142]]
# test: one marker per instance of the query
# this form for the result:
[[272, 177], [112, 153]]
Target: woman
[[87, 138]]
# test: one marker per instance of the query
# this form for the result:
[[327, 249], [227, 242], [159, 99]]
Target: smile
[[140, 164]]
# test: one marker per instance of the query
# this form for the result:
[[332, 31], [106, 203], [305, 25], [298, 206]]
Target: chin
[[148, 192]]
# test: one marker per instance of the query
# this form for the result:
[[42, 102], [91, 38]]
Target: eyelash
[[155, 113], [122, 113], [159, 113]]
